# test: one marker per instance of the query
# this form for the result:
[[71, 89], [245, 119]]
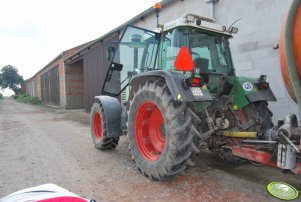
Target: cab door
[[135, 53]]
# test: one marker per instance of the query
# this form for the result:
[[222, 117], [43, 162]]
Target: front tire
[[158, 132], [98, 129]]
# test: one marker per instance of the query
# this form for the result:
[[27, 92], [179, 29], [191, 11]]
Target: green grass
[[27, 99]]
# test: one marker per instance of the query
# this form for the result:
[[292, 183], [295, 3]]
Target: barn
[[49, 84]]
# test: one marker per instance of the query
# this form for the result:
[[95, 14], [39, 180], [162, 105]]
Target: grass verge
[[27, 99]]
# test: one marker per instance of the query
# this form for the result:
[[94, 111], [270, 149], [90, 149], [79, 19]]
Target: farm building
[[254, 47], [50, 84]]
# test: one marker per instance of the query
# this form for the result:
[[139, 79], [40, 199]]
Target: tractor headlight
[[189, 18]]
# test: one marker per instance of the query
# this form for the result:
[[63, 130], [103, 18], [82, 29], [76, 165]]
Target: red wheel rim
[[149, 130], [97, 123]]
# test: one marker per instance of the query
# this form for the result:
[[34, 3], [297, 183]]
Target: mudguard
[[174, 82], [112, 114], [245, 90], [262, 95]]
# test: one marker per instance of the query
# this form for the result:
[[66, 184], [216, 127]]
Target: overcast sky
[[33, 32]]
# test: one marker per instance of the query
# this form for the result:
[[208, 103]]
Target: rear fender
[[246, 91], [174, 81], [112, 111], [262, 95]]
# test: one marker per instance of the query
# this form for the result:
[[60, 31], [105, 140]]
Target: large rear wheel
[[98, 129], [158, 131]]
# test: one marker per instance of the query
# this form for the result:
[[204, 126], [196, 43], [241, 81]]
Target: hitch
[[285, 138]]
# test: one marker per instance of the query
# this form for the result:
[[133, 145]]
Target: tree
[[10, 78]]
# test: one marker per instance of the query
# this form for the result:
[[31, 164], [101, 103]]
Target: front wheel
[[158, 131], [99, 129]]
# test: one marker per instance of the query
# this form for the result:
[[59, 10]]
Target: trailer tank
[[290, 50]]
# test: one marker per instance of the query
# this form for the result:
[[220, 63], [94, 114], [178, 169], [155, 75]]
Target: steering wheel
[[195, 53]]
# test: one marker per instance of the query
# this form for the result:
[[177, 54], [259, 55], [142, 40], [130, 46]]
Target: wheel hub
[[149, 130], [97, 123]]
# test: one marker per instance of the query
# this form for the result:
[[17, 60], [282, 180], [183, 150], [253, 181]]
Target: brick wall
[[74, 84]]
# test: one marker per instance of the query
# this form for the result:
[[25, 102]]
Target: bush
[[27, 99], [35, 100], [1, 96]]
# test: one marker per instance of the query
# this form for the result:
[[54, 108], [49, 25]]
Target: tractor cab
[[208, 51], [192, 45]]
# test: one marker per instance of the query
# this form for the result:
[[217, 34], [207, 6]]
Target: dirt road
[[41, 145]]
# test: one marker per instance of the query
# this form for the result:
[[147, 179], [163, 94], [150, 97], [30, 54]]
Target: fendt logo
[[282, 191], [247, 86]]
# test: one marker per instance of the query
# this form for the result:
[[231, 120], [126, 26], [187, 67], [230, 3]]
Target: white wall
[[252, 48]]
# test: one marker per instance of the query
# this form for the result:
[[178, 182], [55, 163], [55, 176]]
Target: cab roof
[[197, 21]]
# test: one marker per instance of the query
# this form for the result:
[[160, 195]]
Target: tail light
[[263, 86], [196, 82], [193, 82]]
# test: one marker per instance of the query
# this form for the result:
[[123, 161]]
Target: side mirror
[[110, 53]]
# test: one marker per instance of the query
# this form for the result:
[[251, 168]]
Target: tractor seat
[[202, 63]]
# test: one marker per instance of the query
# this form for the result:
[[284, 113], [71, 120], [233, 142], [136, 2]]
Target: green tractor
[[174, 91]]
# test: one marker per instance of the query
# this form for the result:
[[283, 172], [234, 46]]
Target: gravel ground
[[44, 145]]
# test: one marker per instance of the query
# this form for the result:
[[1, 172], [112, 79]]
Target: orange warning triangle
[[184, 61]]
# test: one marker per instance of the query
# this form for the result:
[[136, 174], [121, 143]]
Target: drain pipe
[[212, 9]]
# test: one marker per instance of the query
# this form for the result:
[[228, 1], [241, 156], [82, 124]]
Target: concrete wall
[[252, 48]]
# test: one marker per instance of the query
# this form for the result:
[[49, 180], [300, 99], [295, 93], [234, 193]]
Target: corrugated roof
[[79, 53]]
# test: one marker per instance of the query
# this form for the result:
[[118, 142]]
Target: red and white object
[[44, 193]]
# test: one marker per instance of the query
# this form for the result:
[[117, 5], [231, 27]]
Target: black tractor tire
[[173, 157], [98, 129]]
